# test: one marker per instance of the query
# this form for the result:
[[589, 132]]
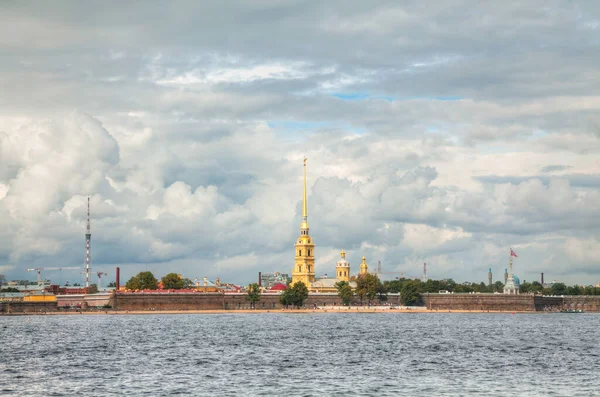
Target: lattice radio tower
[[88, 246]]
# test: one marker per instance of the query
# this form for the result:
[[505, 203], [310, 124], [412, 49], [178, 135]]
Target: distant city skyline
[[442, 135]]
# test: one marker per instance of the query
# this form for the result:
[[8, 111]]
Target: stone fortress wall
[[524, 302], [218, 301]]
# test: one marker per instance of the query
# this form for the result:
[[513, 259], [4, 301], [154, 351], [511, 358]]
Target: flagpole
[[510, 262]]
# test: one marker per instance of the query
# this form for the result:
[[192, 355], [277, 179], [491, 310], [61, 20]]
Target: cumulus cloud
[[433, 135]]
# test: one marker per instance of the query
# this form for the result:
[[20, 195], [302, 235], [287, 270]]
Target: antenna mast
[[88, 246]]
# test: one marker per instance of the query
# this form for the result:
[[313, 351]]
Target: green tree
[[253, 294], [172, 281], [410, 295], [92, 289], [143, 280], [300, 293], [382, 292], [395, 286], [559, 289], [344, 292], [366, 286], [536, 287], [525, 287], [287, 297], [112, 284], [187, 283], [498, 286]]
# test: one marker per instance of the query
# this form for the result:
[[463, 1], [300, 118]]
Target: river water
[[285, 354]]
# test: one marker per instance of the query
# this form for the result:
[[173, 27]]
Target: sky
[[443, 134]]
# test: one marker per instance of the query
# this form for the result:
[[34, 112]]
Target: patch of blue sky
[[361, 96], [537, 134], [294, 125]]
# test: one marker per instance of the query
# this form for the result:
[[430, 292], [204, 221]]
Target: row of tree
[[146, 280]]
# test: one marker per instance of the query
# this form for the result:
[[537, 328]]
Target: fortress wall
[[582, 302], [215, 301], [503, 302], [28, 307], [479, 302]]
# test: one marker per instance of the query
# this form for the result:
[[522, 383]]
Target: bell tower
[[364, 268], [342, 268], [304, 264]]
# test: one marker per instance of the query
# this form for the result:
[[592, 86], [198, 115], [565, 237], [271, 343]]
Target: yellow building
[[304, 263], [342, 268], [364, 268], [304, 266], [40, 298]]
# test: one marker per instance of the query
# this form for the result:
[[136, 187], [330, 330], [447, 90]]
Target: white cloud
[[192, 142]]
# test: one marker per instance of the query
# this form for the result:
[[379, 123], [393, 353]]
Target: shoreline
[[261, 311]]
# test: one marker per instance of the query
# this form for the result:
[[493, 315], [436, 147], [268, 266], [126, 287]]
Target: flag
[[512, 253]]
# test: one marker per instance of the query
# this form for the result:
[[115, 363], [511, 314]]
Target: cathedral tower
[[304, 264], [364, 268], [342, 268]]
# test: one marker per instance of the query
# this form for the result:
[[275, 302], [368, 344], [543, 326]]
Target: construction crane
[[39, 271], [379, 273], [100, 274]]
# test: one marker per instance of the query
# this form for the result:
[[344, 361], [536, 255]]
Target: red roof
[[279, 287]]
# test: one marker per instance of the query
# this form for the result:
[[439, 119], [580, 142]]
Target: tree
[[187, 283], [498, 286], [536, 287], [300, 293], [366, 286], [143, 280], [287, 297], [253, 294], [112, 284], [382, 292], [411, 293], [394, 286], [525, 287], [172, 281], [92, 289], [559, 289], [344, 292]]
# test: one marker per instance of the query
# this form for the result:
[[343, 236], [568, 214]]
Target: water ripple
[[300, 355]]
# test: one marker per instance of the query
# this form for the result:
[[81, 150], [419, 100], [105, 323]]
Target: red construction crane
[[100, 274]]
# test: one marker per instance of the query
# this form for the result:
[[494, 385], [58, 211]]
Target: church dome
[[516, 280], [342, 262], [364, 268]]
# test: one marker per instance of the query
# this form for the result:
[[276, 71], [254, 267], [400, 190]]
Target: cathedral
[[304, 264]]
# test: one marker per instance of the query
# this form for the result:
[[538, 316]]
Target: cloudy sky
[[441, 134]]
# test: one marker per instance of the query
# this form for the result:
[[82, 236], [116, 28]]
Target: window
[[299, 252], [299, 268], [308, 252]]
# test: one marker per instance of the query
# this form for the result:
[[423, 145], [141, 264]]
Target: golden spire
[[304, 224], [304, 210]]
